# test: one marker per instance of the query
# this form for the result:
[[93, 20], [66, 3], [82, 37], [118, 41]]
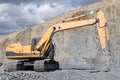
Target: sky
[[18, 14]]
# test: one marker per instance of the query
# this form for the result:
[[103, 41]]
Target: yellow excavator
[[39, 56]]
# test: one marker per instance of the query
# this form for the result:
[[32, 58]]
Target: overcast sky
[[18, 14]]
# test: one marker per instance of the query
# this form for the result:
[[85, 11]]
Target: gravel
[[65, 74]]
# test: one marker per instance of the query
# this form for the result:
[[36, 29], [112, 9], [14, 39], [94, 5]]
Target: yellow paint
[[15, 47], [74, 18], [102, 29], [45, 41]]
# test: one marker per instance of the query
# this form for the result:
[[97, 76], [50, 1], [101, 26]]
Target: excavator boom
[[101, 27], [63, 26]]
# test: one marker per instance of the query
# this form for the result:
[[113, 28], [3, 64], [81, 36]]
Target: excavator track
[[37, 65], [46, 65], [10, 66]]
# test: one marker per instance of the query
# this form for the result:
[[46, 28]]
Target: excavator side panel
[[16, 51]]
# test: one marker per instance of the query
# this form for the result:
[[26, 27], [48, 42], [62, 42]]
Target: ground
[[64, 74]]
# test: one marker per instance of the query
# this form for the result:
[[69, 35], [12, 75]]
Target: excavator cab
[[48, 53], [34, 42]]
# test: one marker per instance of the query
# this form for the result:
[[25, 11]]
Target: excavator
[[39, 56]]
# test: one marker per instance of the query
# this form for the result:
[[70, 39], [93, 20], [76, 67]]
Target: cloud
[[18, 1], [16, 17], [77, 3], [71, 2], [18, 14], [32, 1]]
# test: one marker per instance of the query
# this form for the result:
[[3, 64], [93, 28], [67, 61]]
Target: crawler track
[[37, 65]]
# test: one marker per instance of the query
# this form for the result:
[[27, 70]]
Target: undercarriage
[[35, 65]]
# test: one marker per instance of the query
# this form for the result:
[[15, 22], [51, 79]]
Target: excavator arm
[[103, 31], [61, 26], [69, 24]]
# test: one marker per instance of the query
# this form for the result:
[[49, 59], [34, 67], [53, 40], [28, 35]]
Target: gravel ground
[[65, 74]]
